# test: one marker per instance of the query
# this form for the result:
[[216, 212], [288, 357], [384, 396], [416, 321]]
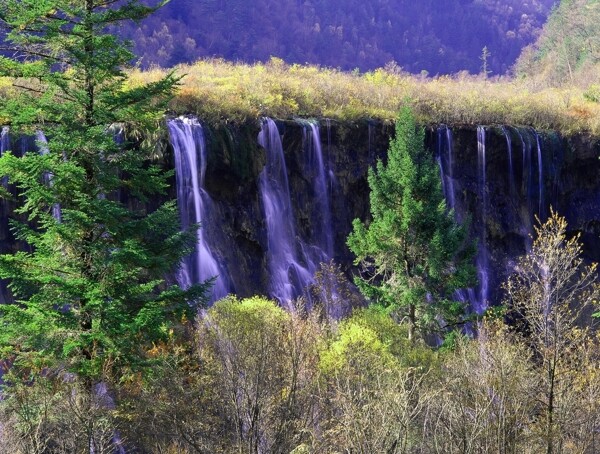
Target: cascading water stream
[[5, 139], [451, 195], [540, 175], [482, 253], [291, 271], [187, 138], [5, 294], [4, 146], [527, 197], [42, 144], [320, 172], [523, 148], [532, 189], [104, 399], [322, 226], [446, 165], [528, 181], [331, 173], [511, 171], [446, 162]]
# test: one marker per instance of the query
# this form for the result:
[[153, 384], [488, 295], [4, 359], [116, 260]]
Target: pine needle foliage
[[413, 254], [90, 291]]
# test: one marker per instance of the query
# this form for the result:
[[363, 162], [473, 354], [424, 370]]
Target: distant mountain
[[568, 49], [437, 36]]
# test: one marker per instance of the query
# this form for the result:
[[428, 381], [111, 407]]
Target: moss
[[221, 92], [233, 152]]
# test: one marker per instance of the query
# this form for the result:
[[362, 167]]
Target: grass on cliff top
[[219, 91]]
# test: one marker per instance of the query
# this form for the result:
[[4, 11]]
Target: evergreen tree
[[414, 255], [90, 291]]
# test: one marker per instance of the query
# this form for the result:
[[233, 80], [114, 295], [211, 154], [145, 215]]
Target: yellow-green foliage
[[217, 90], [358, 346], [566, 52], [246, 318], [370, 335], [394, 337]]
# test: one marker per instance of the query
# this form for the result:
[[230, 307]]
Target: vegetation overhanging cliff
[[219, 91]]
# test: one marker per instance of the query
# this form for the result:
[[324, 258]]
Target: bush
[[220, 91]]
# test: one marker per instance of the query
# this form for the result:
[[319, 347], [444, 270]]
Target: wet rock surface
[[514, 192], [522, 181]]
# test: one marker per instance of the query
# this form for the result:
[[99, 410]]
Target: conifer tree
[[90, 291], [414, 255]]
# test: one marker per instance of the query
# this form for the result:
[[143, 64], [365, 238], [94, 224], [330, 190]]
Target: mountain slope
[[364, 34], [568, 50]]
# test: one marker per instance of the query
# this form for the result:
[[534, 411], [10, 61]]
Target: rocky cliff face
[[500, 183], [235, 162], [497, 178]]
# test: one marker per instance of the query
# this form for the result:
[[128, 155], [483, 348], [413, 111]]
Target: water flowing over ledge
[[313, 184], [195, 206], [276, 198]]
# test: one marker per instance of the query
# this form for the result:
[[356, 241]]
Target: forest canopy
[[425, 35], [567, 51]]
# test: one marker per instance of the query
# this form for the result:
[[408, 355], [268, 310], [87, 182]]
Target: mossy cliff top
[[219, 91]]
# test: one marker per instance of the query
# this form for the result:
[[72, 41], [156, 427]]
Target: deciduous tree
[[550, 291], [265, 360], [487, 396]]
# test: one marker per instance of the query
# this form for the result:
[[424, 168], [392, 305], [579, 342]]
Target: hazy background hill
[[437, 36], [568, 50]]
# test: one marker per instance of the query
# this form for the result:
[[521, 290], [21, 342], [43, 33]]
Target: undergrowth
[[220, 91]]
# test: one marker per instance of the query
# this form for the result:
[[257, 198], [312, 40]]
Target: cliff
[[271, 213], [497, 178]]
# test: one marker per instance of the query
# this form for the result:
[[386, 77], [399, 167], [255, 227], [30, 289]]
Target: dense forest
[[111, 341], [567, 52], [428, 35]]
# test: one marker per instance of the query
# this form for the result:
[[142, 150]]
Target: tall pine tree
[[413, 254], [90, 291]]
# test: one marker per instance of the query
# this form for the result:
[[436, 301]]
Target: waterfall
[[482, 253], [540, 176], [42, 144], [332, 178], [528, 181], [322, 235], [554, 166], [477, 298], [509, 152], [450, 169], [5, 294], [532, 188], [446, 165], [195, 205], [523, 148], [104, 399], [4, 146], [290, 269], [5, 140], [511, 171]]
